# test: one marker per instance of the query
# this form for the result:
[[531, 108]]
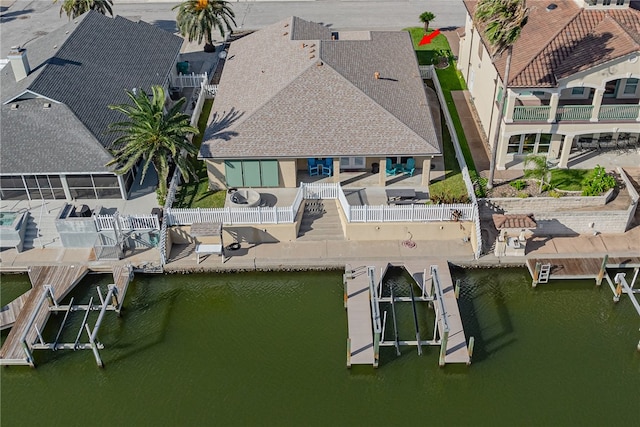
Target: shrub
[[518, 184], [554, 193], [523, 195], [597, 182]]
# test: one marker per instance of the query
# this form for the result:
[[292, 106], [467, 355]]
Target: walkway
[[34, 313]]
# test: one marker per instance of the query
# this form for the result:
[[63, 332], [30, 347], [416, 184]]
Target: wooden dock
[[9, 312], [580, 268], [122, 275], [358, 304], [456, 350], [62, 279]]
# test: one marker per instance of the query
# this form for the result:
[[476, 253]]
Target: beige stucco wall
[[446, 230], [215, 171], [257, 233], [481, 77]]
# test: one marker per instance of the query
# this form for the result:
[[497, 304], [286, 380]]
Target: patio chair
[[410, 167], [313, 167], [389, 167], [327, 167]]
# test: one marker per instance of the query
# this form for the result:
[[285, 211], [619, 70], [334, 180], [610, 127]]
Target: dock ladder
[[545, 270]]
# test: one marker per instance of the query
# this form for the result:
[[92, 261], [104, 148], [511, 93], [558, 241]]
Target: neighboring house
[[55, 98], [573, 87], [297, 91]]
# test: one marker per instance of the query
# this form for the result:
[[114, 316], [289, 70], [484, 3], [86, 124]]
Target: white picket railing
[[230, 216], [190, 80], [411, 213], [320, 190], [344, 203], [426, 71], [129, 222], [210, 90]]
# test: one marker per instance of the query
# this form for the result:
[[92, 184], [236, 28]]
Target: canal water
[[270, 349]]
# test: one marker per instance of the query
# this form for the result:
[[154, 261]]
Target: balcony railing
[[577, 113], [619, 112], [537, 113], [574, 113]]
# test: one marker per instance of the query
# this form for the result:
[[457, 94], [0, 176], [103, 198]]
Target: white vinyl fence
[[284, 215], [128, 222], [190, 80]]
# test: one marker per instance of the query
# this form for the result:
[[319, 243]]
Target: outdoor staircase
[[320, 221], [41, 230]]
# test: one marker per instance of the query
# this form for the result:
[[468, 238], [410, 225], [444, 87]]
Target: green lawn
[[196, 194], [452, 187], [428, 53], [568, 179]]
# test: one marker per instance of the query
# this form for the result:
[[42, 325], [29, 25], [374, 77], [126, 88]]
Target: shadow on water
[[120, 339], [485, 293]]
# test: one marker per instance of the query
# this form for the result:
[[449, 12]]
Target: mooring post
[[27, 351], [536, 274], [94, 347], [457, 289], [376, 349], [603, 269], [618, 292], [472, 341], [346, 295], [443, 347], [348, 352], [52, 299]]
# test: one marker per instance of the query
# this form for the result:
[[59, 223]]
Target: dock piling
[[603, 269], [472, 341], [457, 289]]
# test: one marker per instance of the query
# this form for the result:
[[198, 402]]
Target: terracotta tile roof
[[558, 43], [514, 221]]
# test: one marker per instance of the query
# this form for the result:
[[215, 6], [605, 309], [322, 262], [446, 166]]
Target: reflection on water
[[270, 349]]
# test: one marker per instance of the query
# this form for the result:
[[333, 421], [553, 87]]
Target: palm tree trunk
[[496, 134], [426, 27]]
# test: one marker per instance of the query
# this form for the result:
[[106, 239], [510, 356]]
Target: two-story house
[[55, 93], [573, 89]]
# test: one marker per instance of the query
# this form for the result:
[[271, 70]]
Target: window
[[577, 91], [544, 142], [530, 143], [499, 95], [631, 86], [619, 2], [606, 2], [611, 88]]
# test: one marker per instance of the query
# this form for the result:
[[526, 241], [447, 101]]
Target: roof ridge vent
[[46, 105], [14, 106], [551, 6]]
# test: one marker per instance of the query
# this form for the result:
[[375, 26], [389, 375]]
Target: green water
[[270, 349]]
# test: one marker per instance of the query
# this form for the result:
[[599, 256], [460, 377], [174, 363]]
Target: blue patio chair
[[327, 166], [313, 167], [390, 168], [410, 167]]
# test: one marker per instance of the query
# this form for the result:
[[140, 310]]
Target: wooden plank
[[62, 279], [359, 315], [9, 312], [122, 275]]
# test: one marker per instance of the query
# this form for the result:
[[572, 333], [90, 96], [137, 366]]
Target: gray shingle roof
[[47, 141], [282, 97], [93, 62]]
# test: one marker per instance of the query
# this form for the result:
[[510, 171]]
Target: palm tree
[[540, 170], [503, 21], [197, 19], [153, 136], [427, 17], [75, 8]]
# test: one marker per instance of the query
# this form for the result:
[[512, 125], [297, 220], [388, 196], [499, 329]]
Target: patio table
[[400, 194]]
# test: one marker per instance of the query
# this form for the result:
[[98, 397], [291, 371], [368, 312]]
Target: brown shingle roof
[[279, 97], [514, 221], [555, 44]]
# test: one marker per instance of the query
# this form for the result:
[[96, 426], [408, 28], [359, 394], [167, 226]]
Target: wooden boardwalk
[[580, 268], [456, 346], [9, 312], [62, 279], [122, 275], [361, 351]]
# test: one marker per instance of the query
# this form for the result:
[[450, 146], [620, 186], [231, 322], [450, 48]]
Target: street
[[22, 21]]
